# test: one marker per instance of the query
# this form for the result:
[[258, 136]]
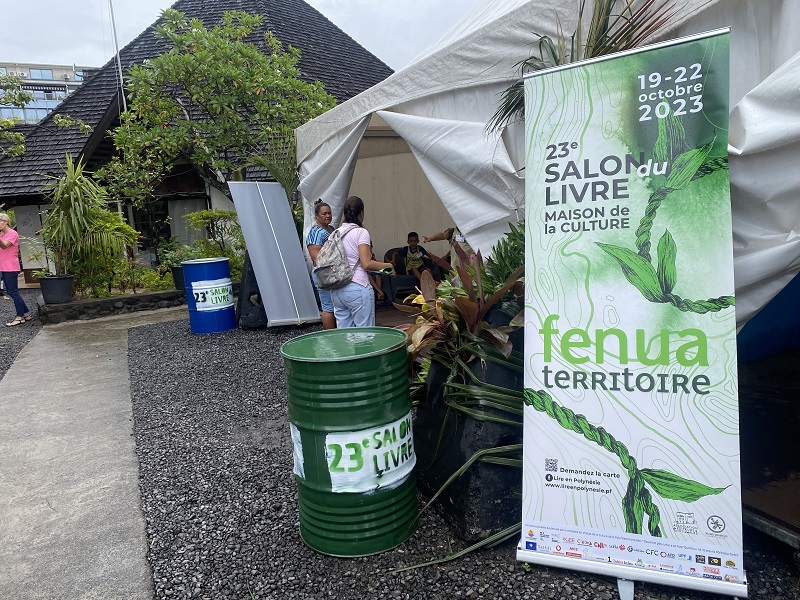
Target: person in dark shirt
[[412, 259]]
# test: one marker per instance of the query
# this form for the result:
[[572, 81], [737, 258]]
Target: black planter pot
[[177, 277], [250, 309], [486, 498], [56, 289]]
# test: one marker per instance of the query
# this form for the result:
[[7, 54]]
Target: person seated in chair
[[412, 259]]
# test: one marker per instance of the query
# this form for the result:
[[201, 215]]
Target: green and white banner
[[631, 460]]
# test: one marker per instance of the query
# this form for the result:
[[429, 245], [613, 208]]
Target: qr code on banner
[[551, 464]]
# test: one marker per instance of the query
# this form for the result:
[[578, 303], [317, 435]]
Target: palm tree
[[607, 33], [77, 221]]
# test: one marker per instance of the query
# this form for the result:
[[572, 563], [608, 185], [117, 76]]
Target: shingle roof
[[327, 54]]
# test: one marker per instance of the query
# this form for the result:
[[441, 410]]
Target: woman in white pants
[[354, 304]]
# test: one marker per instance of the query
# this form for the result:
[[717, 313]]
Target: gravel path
[[14, 339], [221, 504]]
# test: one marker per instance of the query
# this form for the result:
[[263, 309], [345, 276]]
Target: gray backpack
[[333, 270]]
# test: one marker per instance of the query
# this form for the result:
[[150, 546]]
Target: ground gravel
[[220, 501], [14, 339]]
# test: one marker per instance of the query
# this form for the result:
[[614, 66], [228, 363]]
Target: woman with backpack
[[354, 304]]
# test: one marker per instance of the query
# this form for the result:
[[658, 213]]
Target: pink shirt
[[9, 257], [351, 242]]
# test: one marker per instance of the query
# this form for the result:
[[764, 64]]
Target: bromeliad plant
[[450, 326], [453, 331]]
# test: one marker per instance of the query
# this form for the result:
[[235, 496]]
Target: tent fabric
[[763, 143], [331, 179], [452, 89], [470, 170], [764, 148]]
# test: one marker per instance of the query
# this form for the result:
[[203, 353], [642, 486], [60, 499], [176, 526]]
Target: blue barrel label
[[214, 294], [379, 457]]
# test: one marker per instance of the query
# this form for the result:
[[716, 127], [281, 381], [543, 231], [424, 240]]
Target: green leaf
[[671, 140], [469, 311], [674, 487], [667, 252], [685, 166], [637, 271]]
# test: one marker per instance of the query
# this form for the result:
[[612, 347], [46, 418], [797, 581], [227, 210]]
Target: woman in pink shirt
[[354, 304], [9, 269]]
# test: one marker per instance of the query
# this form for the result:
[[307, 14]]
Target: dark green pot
[[56, 289], [177, 277]]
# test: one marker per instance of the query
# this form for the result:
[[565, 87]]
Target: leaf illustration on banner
[[686, 165], [633, 507], [667, 253], [638, 501], [637, 271], [671, 140], [674, 487]]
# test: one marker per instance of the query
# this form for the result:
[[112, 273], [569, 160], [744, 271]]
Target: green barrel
[[350, 418]]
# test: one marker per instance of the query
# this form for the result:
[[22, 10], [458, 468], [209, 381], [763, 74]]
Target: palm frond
[[489, 542], [607, 33], [512, 450]]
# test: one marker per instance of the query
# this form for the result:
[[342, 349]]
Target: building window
[[42, 74], [3, 71], [78, 75]]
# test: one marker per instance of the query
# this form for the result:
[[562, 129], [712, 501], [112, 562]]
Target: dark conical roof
[[328, 55]]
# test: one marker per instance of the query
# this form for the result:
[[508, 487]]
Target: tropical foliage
[[82, 235], [12, 143], [225, 238], [457, 329], [615, 25], [214, 99]]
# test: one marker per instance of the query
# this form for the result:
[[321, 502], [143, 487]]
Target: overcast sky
[[63, 32]]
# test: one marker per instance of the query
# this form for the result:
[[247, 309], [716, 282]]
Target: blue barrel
[[209, 295]]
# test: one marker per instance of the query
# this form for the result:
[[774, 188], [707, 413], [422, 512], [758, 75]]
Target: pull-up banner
[[631, 459]]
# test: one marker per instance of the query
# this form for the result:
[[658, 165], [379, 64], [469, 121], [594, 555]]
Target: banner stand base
[[625, 587]]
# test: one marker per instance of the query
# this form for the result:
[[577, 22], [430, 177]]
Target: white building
[[49, 84]]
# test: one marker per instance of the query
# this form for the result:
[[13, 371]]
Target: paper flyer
[[631, 439]]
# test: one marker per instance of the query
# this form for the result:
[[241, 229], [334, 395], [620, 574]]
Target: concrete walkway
[[71, 524]]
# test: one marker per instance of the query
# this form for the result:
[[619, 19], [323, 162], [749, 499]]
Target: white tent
[[440, 103]]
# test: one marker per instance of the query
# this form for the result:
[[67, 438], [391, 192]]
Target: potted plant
[[471, 402], [77, 229], [174, 257]]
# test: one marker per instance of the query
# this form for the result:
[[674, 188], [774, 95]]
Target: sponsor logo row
[[583, 548]]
